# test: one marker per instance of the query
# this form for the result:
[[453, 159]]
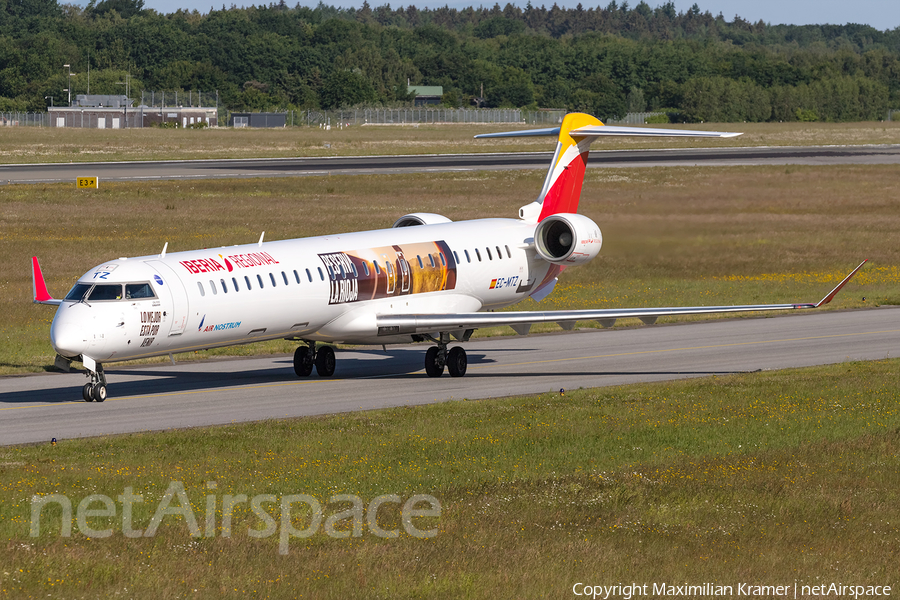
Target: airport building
[[117, 112]]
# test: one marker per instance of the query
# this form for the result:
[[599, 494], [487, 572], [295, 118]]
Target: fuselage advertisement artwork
[[388, 271]]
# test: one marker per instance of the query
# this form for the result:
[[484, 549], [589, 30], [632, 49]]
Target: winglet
[[834, 292], [40, 295]]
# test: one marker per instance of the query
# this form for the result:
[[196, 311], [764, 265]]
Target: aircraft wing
[[521, 321]]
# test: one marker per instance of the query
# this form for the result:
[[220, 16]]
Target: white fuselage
[[327, 289]]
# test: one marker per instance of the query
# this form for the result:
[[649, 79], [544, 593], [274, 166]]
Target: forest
[[607, 61]]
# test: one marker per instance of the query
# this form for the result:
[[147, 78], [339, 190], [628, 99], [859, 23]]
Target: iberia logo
[[244, 261], [227, 263]]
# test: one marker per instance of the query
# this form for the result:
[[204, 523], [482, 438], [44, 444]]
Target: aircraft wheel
[[87, 392], [302, 365], [457, 361], [431, 363], [99, 392], [325, 361]]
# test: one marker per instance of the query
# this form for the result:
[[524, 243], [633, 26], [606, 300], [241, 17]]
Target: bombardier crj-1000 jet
[[426, 279]]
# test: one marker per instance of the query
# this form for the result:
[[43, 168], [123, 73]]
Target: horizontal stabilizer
[[612, 130]]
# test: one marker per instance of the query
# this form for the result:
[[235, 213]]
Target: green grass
[[672, 236], [765, 478]]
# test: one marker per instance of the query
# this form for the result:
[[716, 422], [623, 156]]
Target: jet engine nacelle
[[567, 239], [420, 219]]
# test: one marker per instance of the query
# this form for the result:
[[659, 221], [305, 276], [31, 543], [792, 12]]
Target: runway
[[36, 408], [361, 165]]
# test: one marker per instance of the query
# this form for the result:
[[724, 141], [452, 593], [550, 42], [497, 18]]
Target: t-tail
[[562, 185]]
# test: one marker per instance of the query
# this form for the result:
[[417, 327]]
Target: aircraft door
[[168, 280]]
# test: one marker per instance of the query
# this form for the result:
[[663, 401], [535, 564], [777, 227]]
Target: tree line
[[604, 60]]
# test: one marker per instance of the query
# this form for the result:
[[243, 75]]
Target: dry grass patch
[[42, 145]]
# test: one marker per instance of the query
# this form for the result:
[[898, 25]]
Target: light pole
[[69, 89]]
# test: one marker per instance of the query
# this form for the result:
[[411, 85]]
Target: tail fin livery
[[562, 186]]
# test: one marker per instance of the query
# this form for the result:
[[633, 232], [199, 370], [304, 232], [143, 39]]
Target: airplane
[[425, 279]]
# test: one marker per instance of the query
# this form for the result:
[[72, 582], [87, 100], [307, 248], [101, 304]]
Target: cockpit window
[[78, 292], [138, 290], [105, 292]]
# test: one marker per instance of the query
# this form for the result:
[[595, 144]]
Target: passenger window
[[234, 281], [478, 254], [321, 274], [138, 291], [224, 287], [468, 258], [377, 268], [331, 274], [343, 273], [489, 254], [390, 269], [499, 254], [431, 260], [421, 266], [296, 275], [284, 276], [508, 253], [366, 268], [259, 279], [443, 262], [200, 285], [455, 256], [247, 281], [353, 268], [212, 286], [309, 275]]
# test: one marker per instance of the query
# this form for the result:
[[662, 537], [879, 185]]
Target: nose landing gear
[[96, 389], [307, 356]]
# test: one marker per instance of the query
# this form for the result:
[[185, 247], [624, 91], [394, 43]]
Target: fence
[[24, 119], [410, 116], [134, 117]]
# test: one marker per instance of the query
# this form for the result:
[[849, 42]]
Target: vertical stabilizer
[[562, 186]]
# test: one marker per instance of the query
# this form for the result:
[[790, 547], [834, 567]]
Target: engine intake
[[420, 219], [567, 239]]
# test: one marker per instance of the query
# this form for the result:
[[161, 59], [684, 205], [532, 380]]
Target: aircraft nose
[[68, 336]]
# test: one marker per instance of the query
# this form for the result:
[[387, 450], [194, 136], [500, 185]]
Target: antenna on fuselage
[[261, 236], [163, 253]]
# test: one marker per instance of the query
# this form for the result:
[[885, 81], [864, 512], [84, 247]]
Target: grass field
[[765, 478], [672, 236], [33, 144]]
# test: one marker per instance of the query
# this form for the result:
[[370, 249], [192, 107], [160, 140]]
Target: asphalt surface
[[36, 408], [297, 167]]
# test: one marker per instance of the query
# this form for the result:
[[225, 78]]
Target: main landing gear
[[307, 356], [439, 356], [96, 389]]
